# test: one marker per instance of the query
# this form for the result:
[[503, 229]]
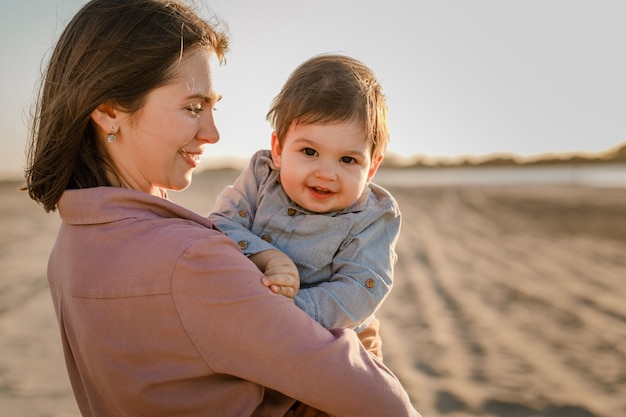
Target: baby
[[311, 196]]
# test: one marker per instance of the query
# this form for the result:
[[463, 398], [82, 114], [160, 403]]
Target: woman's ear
[[106, 117], [276, 150]]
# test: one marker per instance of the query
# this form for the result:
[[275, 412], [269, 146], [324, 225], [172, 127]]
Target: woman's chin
[[180, 184]]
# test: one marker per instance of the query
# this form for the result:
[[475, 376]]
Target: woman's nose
[[208, 130]]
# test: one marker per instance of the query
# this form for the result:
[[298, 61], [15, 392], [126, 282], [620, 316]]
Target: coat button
[[370, 283], [291, 212], [267, 238], [243, 244], [242, 213]]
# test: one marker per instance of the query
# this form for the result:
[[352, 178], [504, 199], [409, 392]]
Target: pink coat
[[160, 314]]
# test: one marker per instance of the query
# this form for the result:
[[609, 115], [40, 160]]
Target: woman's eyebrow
[[209, 98]]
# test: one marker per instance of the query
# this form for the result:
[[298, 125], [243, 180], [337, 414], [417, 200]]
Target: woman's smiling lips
[[192, 158]]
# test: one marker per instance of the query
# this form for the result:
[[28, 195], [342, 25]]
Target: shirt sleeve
[[236, 206], [242, 329], [362, 273]]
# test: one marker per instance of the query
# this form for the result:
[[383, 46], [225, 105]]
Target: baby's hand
[[281, 274]]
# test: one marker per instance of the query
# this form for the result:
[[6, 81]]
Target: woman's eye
[[309, 151], [195, 109], [348, 160]]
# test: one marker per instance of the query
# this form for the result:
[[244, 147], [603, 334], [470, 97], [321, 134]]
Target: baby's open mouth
[[320, 190]]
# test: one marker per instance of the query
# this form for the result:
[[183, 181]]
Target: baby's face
[[324, 167]]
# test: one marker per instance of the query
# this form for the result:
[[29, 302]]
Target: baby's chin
[[320, 208]]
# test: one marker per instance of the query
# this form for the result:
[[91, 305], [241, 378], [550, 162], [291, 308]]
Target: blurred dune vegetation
[[616, 154]]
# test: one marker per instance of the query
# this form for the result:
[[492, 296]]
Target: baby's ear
[[374, 167], [276, 150]]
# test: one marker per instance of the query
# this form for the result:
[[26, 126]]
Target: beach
[[508, 301]]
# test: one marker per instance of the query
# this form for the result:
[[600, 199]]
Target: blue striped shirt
[[345, 258]]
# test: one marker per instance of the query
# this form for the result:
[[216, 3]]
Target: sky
[[461, 77]]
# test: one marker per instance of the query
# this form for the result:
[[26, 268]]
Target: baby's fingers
[[286, 287], [289, 292]]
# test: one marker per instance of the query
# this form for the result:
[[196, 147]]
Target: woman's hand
[[281, 274]]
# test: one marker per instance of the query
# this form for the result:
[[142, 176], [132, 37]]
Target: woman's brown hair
[[112, 51]]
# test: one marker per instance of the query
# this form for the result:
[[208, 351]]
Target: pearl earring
[[111, 136]]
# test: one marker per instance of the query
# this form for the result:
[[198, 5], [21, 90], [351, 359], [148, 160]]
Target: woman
[[161, 314]]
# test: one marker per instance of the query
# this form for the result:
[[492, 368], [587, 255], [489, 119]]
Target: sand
[[508, 301]]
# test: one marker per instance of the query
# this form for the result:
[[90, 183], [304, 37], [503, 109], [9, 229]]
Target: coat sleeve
[[242, 329]]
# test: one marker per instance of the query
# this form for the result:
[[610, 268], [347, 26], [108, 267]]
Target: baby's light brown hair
[[332, 88]]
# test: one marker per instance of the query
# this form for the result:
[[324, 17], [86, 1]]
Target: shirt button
[[266, 238], [291, 212], [242, 213], [370, 283], [243, 244]]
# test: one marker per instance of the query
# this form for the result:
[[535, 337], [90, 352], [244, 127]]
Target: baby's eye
[[309, 151], [348, 160]]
